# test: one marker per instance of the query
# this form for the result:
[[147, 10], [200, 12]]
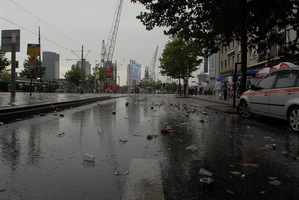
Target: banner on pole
[[33, 50]]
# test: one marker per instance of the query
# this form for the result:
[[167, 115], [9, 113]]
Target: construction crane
[[108, 51]]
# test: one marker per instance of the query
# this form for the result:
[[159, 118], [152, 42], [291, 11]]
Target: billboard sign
[[8, 38], [213, 66]]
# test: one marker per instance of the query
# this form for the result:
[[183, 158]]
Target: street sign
[[33, 50], [8, 38], [31, 64]]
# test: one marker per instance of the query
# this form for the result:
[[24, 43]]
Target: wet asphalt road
[[42, 157]]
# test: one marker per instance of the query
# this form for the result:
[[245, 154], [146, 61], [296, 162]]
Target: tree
[[38, 71], [179, 59], [4, 62], [97, 76], [4, 74], [74, 75], [171, 87], [216, 23], [147, 73], [99, 73]]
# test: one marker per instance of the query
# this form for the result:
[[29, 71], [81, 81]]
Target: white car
[[276, 95]]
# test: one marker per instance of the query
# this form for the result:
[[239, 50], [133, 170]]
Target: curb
[[9, 115], [225, 109]]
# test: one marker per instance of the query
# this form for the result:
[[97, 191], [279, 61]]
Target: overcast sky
[[66, 25]]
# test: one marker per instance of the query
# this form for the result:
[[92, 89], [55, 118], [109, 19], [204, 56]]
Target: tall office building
[[133, 73], [86, 67], [51, 62]]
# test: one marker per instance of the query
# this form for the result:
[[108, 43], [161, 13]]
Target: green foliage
[[214, 23], [74, 75], [179, 58], [4, 62], [4, 74], [147, 83], [99, 73], [37, 72], [90, 79]]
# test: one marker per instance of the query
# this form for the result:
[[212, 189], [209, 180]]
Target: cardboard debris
[[255, 165], [121, 172]]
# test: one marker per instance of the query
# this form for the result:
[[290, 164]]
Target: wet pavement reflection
[[204, 154]]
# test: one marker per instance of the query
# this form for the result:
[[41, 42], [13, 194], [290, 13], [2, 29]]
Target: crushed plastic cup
[[205, 172], [207, 182], [192, 148], [89, 158]]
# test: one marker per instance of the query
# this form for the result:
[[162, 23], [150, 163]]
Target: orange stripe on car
[[272, 91]]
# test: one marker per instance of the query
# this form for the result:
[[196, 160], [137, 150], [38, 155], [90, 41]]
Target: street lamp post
[[96, 74], [235, 82], [82, 68], [118, 80]]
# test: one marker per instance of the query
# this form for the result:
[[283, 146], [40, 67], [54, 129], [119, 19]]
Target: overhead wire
[[49, 25], [44, 22], [34, 33]]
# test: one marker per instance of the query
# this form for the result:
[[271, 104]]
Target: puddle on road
[[231, 148]]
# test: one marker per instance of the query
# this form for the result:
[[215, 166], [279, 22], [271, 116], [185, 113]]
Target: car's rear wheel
[[294, 118], [243, 110]]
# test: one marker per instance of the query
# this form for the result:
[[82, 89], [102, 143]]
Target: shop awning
[[249, 72]]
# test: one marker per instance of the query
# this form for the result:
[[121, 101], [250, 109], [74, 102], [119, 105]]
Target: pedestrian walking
[[225, 90], [218, 89]]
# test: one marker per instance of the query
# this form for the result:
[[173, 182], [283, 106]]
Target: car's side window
[[267, 82], [286, 79], [297, 79]]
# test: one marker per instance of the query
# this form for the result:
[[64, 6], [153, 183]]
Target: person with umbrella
[[218, 89]]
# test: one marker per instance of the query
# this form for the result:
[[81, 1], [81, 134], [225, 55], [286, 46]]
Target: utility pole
[[82, 63], [39, 42], [13, 63], [115, 75], [82, 67]]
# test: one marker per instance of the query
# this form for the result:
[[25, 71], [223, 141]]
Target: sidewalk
[[220, 104]]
